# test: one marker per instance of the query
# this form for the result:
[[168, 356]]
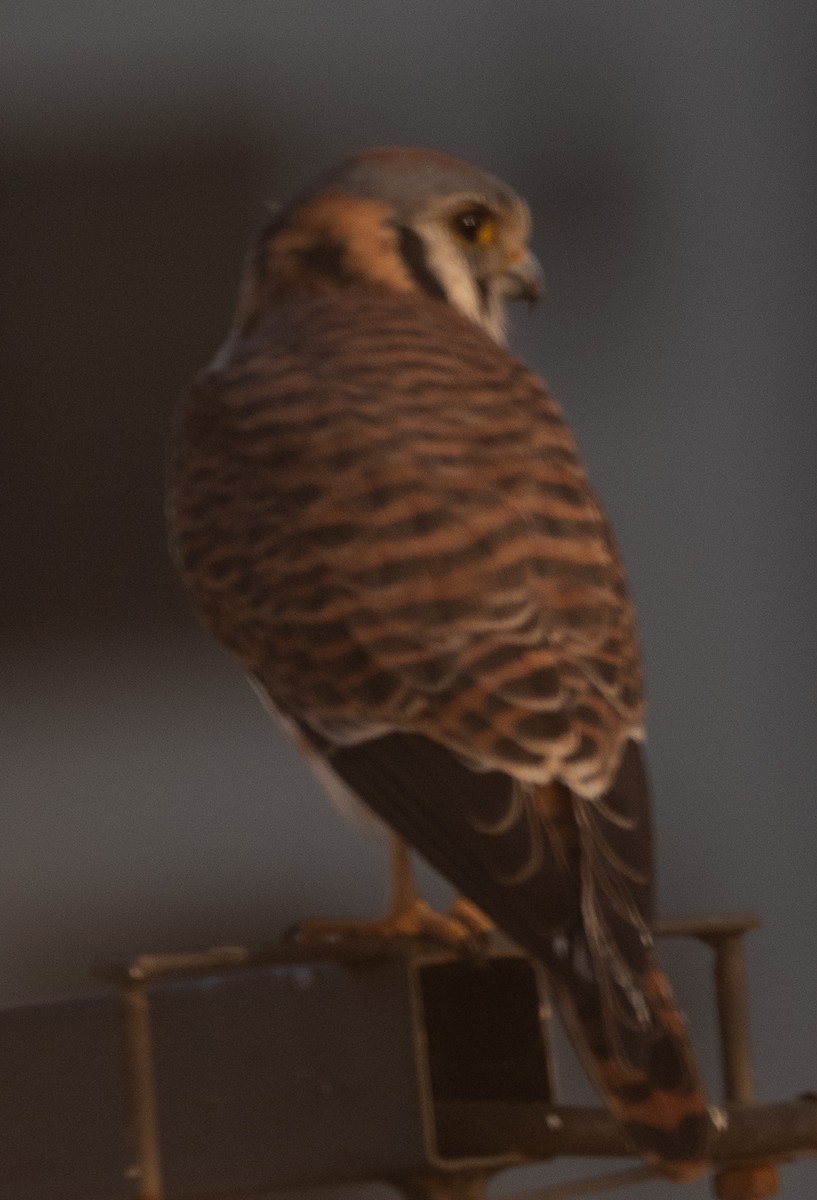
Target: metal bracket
[[470, 1137], [248, 1070]]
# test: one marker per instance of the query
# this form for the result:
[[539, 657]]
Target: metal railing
[[464, 1140]]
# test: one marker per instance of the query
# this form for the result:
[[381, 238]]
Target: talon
[[464, 927], [471, 917], [418, 920]]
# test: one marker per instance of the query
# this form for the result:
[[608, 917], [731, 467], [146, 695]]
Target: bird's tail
[[654, 1089], [613, 997], [570, 881]]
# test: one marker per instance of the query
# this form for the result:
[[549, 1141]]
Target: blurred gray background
[[668, 154]]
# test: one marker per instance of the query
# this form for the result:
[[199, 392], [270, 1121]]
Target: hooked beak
[[524, 280]]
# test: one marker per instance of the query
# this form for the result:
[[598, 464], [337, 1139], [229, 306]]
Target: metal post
[[751, 1180], [733, 1019], [136, 1011], [724, 934]]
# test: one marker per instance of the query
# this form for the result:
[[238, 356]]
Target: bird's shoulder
[[370, 336]]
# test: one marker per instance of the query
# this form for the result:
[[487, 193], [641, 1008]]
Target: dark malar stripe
[[414, 256]]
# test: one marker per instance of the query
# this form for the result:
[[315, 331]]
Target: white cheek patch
[[453, 271]]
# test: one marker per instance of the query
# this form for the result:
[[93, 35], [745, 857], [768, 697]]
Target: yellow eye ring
[[475, 225]]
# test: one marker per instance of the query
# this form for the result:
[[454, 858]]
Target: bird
[[382, 514]]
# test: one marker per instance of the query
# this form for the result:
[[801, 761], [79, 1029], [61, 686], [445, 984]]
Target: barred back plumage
[[422, 546], [382, 513]]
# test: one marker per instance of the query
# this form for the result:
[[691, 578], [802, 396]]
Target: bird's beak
[[523, 280]]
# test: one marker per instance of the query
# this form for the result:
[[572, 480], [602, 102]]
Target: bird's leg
[[466, 913], [407, 915], [404, 903], [402, 888]]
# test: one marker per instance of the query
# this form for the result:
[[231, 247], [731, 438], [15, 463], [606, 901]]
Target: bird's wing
[[477, 617], [415, 549]]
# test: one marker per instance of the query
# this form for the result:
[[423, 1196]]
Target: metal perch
[[248, 1070]]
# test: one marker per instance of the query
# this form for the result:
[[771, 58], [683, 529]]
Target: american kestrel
[[382, 514]]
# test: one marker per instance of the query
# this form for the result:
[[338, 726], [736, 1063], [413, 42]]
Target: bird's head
[[413, 220]]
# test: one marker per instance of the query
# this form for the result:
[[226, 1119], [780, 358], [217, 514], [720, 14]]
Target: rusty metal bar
[[707, 926], [538, 1131], [147, 1170], [592, 1185], [733, 1019], [188, 964], [244, 1063], [444, 1185], [757, 1179], [149, 968]]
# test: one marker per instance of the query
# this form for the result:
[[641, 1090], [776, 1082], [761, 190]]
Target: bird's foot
[[464, 926], [471, 918]]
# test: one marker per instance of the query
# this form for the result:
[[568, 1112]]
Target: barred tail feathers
[[659, 1101], [570, 881]]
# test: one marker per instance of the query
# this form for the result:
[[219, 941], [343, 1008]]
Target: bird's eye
[[475, 225]]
